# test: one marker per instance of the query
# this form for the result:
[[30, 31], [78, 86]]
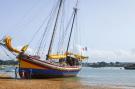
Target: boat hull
[[40, 69], [42, 73]]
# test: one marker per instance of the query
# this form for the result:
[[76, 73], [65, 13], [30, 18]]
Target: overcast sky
[[107, 27]]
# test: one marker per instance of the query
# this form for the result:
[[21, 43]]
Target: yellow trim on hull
[[24, 64]]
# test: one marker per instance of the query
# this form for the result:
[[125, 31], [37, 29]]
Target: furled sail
[[57, 56], [61, 56]]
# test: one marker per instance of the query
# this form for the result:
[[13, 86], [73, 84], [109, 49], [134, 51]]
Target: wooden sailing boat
[[31, 66]]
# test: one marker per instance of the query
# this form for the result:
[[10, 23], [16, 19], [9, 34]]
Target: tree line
[[8, 62], [105, 64]]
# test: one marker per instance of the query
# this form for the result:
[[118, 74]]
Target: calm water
[[108, 76], [102, 76]]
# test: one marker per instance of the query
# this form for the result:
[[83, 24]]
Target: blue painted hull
[[41, 73]]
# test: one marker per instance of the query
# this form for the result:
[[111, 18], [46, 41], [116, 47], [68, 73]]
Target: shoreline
[[108, 86], [5, 76], [57, 83]]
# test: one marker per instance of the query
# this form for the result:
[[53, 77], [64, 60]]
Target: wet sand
[[57, 83], [5, 76]]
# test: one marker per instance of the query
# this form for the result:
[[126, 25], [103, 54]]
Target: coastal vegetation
[[8, 62], [106, 64]]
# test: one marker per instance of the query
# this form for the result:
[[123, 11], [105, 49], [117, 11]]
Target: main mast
[[54, 29], [74, 16]]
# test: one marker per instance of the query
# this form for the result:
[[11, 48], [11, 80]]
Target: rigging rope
[[7, 53], [27, 12], [40, 27], [43, 38], [65, 33], [61, 27]]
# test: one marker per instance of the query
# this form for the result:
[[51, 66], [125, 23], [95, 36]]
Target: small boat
[[59, 64], [130, 67]]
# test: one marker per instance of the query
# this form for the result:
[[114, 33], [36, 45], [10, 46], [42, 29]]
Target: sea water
[[108, 76], [8, 70]]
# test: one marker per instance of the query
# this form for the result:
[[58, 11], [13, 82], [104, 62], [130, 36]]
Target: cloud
[[112, 55]]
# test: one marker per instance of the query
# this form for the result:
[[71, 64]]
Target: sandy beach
[[8, 82], [57, 83]]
